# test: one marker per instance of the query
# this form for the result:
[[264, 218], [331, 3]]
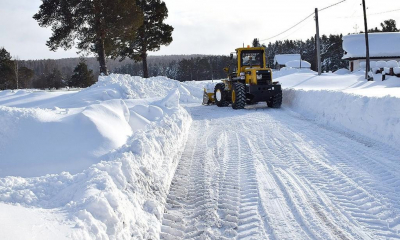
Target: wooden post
[[318, 43]]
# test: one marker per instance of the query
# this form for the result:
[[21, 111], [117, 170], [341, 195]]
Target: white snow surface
[[349, 101], [94, 164], [122, 160], [284, 58], [296, 64], [380, 45]]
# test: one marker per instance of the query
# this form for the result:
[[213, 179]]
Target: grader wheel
[[220, 95], [238, 96]]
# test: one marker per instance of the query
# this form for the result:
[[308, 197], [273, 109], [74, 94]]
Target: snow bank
[[35, 142], [349, 102], [376, 118], [110, 87], [136, 134]]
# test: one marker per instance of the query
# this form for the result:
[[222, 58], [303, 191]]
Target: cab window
[[254, 58]]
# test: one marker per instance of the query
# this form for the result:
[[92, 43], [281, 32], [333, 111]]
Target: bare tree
[[16, 70]]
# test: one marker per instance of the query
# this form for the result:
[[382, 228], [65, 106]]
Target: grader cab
[[249, 81]]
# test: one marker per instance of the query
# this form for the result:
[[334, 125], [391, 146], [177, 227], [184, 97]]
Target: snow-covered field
[[133, 158]]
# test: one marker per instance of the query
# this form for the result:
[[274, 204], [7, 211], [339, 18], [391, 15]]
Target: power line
[[288, 28], [332, 5], [395, 10], [302, 21], [372, 14]]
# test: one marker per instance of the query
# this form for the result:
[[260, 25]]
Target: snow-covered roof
[[380, 45], [282, 59], [296, 64]]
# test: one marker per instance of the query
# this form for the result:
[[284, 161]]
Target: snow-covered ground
[[133, 158]]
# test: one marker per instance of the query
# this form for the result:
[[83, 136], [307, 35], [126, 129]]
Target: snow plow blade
[[208, 95], [208, 98]]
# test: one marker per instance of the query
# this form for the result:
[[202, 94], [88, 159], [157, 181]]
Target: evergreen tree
[[25, 77], [6, 69], [100, 26], [185, 70], [389, 26], [256, 43], [152, 34], [82, 77], [52, 79]]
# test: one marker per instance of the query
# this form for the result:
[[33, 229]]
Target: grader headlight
[[259, 76], [242, 76]]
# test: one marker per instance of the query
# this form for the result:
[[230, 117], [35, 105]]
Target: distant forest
[[196, 67]]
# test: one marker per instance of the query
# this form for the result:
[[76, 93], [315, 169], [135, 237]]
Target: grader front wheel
[[238, 96], [275, 101], [220, 95]]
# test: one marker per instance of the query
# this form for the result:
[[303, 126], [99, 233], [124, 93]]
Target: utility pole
[[318, 43], [367, 67]]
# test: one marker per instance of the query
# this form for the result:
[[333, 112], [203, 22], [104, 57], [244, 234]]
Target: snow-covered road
[[262, 173]]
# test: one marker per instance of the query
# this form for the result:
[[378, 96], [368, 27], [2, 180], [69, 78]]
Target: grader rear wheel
[[238, 96]]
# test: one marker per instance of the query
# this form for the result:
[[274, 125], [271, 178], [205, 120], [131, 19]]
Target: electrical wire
[[332, 5], [395, 10], [372, 14], [288, 28], [302, 21]]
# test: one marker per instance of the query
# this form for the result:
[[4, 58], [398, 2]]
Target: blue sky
[[207, 26]]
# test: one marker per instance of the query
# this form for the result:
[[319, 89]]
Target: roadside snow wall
[[376, 118], [123, 195]]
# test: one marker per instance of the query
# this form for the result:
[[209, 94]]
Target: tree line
[[16, 74]]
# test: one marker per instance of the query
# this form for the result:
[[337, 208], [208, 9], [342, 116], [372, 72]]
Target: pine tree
[[25, 76], [82, 77], [152, 34], [6, 69], [99, 26], [256, 43]]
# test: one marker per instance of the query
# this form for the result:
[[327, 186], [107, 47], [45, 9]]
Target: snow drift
[[127, 135], [348, 102], [374, 117]]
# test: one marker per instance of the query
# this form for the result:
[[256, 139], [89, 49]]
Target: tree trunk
[[144, 61], [101, 52], [102, 58]]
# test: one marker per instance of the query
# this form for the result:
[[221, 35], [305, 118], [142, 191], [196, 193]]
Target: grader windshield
[[252, 58]]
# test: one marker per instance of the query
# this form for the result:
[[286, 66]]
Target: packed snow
[[134, 158]]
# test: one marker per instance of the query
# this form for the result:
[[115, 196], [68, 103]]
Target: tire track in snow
[[214, 194], [336, 172], [265, 173]]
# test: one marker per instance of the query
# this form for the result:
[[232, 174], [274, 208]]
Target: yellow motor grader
[[249, 81]]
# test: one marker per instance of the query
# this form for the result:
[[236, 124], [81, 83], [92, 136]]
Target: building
[[382, 47], [280, 60]]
